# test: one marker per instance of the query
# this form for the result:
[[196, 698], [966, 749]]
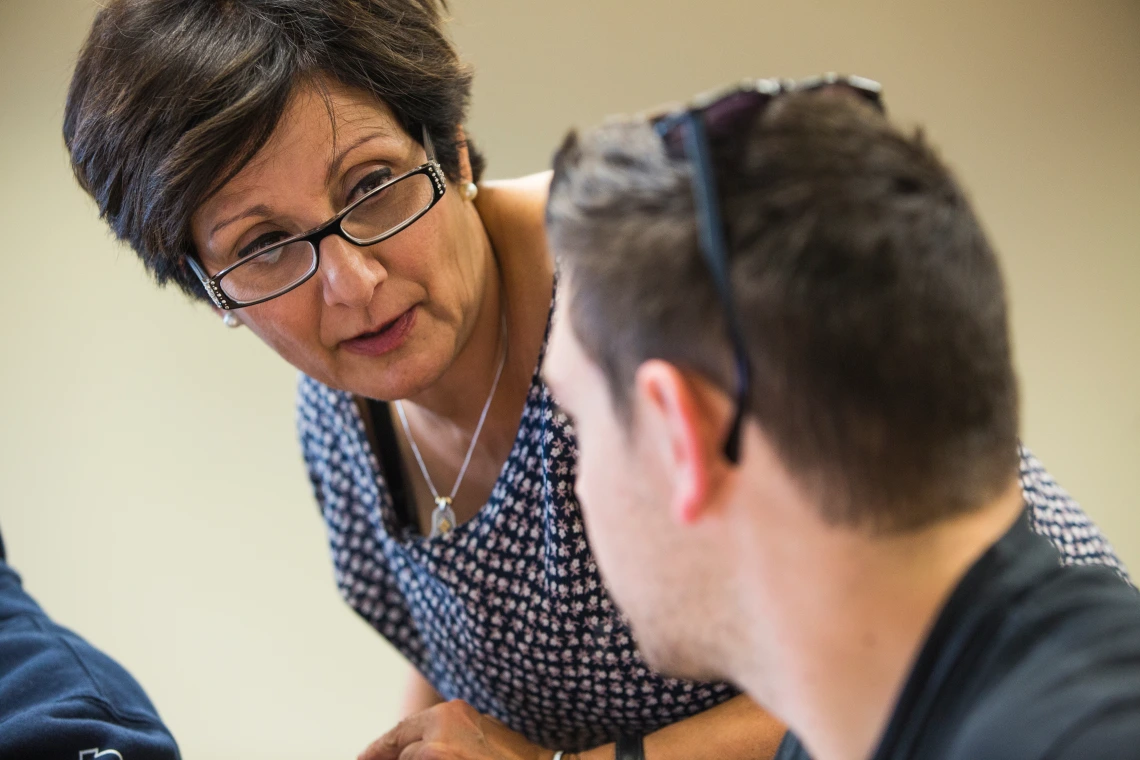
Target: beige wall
[[150, 488]]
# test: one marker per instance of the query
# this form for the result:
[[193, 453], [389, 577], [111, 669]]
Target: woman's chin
[[399, 375]]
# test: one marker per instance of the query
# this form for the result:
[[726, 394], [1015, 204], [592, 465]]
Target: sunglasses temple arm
[[714, 247]]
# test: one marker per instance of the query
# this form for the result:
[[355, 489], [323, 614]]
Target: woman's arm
[[419, 695], [736, 730]]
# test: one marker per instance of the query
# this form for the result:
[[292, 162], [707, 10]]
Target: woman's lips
[[387, 338]]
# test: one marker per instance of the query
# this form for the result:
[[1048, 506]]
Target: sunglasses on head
[[686, 133]]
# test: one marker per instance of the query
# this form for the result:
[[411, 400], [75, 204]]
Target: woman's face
[[385, 320]]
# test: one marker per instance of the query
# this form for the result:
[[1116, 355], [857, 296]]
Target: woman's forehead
[[323, 122], [320, 130]]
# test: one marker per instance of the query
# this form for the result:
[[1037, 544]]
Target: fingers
[[420, 736], [391, 745], [417, 751], [421, 750], [387, 747]]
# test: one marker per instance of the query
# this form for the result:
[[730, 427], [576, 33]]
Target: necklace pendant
[[442, 518]]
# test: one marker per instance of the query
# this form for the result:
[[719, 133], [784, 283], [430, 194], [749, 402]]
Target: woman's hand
[[734, 730], [453, 731]]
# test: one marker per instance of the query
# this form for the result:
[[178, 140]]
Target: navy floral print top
[[507, 611]]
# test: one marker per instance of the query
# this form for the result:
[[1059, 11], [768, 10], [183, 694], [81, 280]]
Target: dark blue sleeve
[[791, 749], [62, 698]]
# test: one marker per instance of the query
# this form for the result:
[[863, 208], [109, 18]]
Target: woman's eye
[[269, 258], [370, 182], [264, 241]]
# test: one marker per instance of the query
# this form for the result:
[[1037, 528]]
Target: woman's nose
[[351, 275]]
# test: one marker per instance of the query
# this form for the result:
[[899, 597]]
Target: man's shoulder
[[1102, 728], [1067, 667], [1110, 734]]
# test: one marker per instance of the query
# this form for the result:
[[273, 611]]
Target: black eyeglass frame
[[693, 123], [333, 226]]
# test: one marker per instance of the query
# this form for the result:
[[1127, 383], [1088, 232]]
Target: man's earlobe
[[675, 425]]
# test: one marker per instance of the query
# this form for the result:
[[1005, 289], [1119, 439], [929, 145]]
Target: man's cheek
[[596, 500], [585, 488], [604, 533]]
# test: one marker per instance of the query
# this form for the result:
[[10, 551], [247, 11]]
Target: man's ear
[[681, 425]]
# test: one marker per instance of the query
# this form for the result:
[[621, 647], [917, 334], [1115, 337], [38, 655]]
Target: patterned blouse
[[507, 611]]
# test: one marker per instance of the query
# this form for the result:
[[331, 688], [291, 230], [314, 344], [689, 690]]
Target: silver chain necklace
[[443, 516]]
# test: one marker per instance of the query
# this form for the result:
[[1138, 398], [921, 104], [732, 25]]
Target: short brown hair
[[872, 306], [171, 98]]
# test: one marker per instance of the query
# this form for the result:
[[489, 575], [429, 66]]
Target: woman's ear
[[467, 187], [464, 156], [682, 422]]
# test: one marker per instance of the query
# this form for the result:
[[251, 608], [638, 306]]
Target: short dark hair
[[872, 306], [171, 98]]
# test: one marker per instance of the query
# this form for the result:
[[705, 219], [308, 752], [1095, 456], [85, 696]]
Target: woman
[[303, 165]]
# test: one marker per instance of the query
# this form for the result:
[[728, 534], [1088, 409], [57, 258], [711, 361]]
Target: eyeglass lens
[[275, 270]]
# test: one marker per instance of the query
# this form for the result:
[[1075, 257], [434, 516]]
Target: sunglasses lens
[[722, 118], [734, 111], [731, 113], [669, 128]]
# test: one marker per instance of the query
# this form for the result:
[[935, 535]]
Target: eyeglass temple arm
[[429, 148], [208, 284], [714, 248]]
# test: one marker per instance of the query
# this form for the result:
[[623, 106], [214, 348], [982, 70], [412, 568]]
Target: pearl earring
[[230, 320], [469, 191]]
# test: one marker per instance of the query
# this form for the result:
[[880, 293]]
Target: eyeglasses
[[377, 215], [686, 132]]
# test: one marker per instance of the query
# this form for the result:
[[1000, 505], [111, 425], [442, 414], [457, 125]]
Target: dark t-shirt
[[63, 699], [1028, 660]]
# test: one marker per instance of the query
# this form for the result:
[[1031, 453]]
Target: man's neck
[[849, 620]]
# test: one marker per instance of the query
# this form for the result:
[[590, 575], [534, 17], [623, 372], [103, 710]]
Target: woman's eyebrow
[[259, 210], [334, 167]]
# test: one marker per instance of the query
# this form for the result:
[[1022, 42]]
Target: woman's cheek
[[291, 328]]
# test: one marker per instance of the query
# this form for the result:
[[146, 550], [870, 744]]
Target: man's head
[[872, 310]]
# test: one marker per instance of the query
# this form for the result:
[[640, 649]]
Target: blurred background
[[151, 490]]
